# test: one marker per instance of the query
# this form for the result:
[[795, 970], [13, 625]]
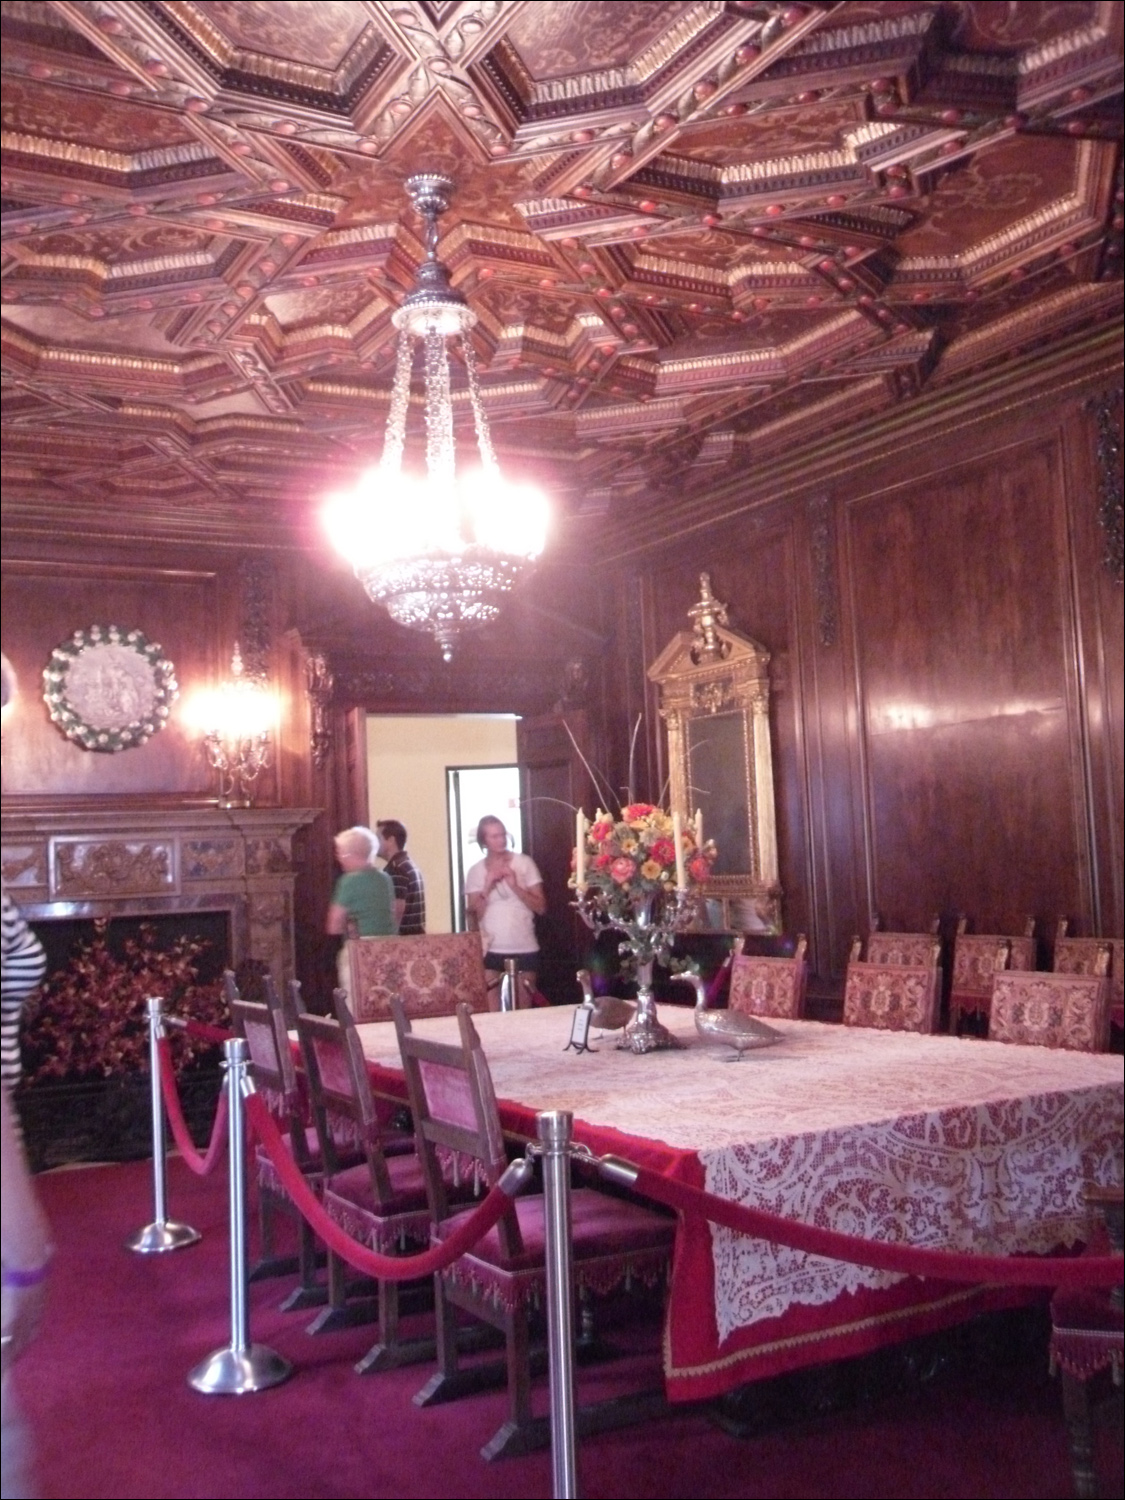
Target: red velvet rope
[[200, 1165], [944, 1265], [206, 1032], [367, 1262]]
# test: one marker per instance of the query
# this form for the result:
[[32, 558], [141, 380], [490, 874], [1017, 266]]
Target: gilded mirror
[[714, 700]]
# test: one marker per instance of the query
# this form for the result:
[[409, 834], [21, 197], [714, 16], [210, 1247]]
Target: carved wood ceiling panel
[[693, 231]]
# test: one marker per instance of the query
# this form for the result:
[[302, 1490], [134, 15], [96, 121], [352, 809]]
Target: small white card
[[580, 1029]]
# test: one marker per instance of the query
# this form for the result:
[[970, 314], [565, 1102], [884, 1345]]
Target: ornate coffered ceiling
[[694, 232]]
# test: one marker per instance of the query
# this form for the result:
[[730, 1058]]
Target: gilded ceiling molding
[[1029, 323]]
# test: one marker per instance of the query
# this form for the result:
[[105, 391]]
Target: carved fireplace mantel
[[75, 862]]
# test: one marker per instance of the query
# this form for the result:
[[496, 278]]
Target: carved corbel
[[320, 685]]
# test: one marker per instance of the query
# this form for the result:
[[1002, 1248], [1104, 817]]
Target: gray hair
[[358, 841]]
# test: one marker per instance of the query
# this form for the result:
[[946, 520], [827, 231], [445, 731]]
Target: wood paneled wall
[[946, 673], [946, 679]]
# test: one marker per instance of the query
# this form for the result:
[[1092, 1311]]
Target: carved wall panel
[[958, 746], [45, 598], [110, 869]]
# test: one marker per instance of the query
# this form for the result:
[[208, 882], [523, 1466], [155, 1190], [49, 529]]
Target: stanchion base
[[155, 1239], [233, 1372]]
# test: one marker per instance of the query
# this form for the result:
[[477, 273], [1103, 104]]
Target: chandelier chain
[[484, 437], [395, 440], [439, 409]]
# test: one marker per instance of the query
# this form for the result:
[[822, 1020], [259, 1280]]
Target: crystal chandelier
[[440, 551]]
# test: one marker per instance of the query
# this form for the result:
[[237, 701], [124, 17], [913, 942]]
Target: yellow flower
[[627, 845], [650, 870]]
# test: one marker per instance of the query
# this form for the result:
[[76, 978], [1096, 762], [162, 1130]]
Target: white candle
[[580, 851], [699, 828], [678, 840]]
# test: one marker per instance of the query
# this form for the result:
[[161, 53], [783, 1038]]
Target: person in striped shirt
[[24, 963], [23, 960], [410, 893]]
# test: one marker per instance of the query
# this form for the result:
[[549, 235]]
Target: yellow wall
[[406, 761]]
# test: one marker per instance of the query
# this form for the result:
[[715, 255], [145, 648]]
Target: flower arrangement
[[90, 1020], [636, 873], [641, 854]]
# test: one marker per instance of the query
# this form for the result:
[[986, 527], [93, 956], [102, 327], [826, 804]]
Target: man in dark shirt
[[410, 893]]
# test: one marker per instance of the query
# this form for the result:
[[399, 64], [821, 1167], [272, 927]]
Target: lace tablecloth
[[936, 1141]]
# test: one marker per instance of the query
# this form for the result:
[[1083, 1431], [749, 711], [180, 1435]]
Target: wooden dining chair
[[274, 1074], [1070, 1011], [431, 974], [502, 1280], [381, 1200], [1081, 956], [769, 986], [911, 948], [894, 996], [977, 958]]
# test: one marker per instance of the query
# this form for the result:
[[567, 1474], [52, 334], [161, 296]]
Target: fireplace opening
[[84, 1037], [63, 939]]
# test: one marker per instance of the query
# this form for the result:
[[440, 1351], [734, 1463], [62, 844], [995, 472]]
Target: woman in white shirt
[[504, 894]]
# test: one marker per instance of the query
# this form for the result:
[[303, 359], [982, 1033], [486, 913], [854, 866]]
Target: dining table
[[936, 1141]]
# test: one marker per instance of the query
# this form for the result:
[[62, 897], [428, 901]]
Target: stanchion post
[[242, 1367], [509, 982], [554, 1129], [162, 1234]]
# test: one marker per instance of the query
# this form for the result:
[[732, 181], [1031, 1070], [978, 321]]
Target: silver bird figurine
[[609, 1012], [729, 1027]]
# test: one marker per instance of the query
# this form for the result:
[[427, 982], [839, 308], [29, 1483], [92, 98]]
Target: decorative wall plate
[[109, 689]]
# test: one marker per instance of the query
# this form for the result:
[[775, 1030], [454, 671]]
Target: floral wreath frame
[[92, 736]]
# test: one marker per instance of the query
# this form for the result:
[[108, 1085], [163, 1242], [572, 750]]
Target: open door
[[553, 784]]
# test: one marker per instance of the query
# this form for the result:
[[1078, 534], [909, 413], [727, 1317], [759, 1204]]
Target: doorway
[[408, 758]]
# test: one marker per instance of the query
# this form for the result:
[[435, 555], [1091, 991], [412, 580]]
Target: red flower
[[623, 869], [698, 868], [602, 861], [601, 830], [636, 810], [663, 851]]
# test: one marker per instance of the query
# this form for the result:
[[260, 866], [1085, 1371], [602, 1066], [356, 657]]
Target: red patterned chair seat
[[401, 1214], [432, 975], [312, 1165], [892, 997], [610, 1245], [1050, 1010], [769, 986]]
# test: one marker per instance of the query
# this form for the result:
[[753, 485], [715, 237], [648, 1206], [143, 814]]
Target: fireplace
[[235, 866]]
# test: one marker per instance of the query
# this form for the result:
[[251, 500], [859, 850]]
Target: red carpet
[[104, 1390]]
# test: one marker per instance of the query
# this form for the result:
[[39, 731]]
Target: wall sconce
[[236, 719]]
